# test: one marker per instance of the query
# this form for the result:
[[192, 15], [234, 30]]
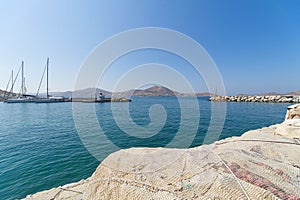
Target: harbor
[[63, 99], [9, 96]]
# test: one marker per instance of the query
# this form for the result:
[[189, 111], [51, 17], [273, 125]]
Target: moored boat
[[20, 100], [23, 98], [48, 99]]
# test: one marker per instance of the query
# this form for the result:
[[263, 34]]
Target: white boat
[[20, 100]]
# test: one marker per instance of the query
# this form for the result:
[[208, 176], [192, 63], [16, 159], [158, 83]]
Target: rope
[[6, 88], [37, 93], [237, 180], [14, 81]]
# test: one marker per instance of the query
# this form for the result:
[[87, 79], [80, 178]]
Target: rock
[[260, 164], [293, 112], [290, 128], [265, 99]]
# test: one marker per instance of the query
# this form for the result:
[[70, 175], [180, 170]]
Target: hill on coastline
[[151, 91], [295, 93], [87, 93], [156, 91], [4, 93]]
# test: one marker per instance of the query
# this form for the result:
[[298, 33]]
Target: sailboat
[[48, 99], [10, 81], [23, 98]]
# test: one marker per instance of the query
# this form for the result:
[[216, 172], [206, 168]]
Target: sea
[[45, 145]]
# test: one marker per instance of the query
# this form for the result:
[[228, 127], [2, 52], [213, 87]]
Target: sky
[[255, 44]]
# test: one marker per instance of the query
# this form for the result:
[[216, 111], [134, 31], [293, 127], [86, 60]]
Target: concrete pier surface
[[94, 100]]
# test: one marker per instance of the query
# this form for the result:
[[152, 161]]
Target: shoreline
[[262, 163]]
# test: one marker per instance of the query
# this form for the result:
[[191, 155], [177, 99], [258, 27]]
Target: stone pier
[[264, 99]]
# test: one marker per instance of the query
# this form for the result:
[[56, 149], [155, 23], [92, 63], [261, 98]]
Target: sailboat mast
[[47, 78], [12, 81], [22, 89]]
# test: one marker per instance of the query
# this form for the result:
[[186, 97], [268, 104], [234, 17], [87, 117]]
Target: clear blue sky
[[255, 44]]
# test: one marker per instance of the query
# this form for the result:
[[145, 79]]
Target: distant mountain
[[64, 94], [269, 94], [125, 94], [91, 92], [83, 93], [204, 94], [156, 91], [3, 92], [295, 93], [152, 91]]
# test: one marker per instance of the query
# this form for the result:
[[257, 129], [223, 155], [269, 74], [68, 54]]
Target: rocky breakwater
[[267, 98], [260, 164]]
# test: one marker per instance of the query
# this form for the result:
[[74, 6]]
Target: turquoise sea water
[[40, 147]]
